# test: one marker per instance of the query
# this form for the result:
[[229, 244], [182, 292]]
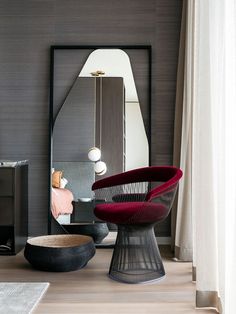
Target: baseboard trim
[[164, 240]]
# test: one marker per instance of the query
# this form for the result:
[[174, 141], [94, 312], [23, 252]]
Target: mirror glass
[[116, 63], [100, 115]]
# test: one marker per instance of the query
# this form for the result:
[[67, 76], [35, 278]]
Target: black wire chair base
[[136, 257]]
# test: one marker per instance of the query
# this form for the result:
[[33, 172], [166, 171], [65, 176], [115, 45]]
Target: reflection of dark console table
[[83, 221], [13, 208], [83, 212]]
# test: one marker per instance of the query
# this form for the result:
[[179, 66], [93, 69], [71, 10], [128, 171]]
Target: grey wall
[[28, 28]]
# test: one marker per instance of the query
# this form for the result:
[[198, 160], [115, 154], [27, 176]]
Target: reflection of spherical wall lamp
[[94, 154], [100, 168]]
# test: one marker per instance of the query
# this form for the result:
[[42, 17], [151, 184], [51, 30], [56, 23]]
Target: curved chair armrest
[[118, 179], [165, 198], [161, 190], [150, 174]]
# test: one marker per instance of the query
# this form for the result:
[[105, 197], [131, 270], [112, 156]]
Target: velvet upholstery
[[155, 205], [130, 212]]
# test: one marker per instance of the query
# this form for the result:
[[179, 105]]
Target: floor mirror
[[100, 125]]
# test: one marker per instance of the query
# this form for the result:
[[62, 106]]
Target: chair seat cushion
[[131, 212]]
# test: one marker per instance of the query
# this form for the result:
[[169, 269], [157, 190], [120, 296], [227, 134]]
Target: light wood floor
[[90, 291]]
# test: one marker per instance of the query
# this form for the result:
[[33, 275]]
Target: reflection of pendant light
[[94, 154], [100, 168]]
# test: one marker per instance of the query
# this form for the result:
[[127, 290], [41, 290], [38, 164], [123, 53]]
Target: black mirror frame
[[53, 49]]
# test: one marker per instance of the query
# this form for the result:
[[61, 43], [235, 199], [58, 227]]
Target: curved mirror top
[[114, 62]]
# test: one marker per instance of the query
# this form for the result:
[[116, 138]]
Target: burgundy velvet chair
[[136, 200]]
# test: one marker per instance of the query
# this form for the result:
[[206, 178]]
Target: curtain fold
[[182, 211], [178, 114]]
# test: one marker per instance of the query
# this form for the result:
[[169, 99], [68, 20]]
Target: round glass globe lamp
[[94, 154], [100, 168]]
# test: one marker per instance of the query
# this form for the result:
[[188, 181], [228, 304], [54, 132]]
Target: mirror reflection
[[98, 131]]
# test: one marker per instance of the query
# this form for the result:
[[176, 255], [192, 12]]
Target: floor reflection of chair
[[136, 200]]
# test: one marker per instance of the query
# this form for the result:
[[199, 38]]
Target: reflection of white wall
[[116, 63], [136, 141]]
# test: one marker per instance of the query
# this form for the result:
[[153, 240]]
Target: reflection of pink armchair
[[61, 202]]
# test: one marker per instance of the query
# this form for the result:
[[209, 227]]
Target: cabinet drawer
[[6, 211], [6, 182]]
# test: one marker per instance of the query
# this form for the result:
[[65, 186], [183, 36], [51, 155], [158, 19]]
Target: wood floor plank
[[90, 291]]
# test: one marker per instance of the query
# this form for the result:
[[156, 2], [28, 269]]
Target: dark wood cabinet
[[110, 123], [13, 208]]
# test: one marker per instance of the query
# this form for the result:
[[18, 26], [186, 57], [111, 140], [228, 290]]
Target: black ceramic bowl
[[98, 231], [59, 253]]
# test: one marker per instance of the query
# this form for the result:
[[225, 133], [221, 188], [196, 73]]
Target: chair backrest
[[167, 174], [137, 186], [134, 185]]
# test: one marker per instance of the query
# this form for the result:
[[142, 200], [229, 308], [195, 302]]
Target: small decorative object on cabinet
[[13, 206]]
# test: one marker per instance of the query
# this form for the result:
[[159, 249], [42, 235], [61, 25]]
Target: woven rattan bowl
[[59, 253]]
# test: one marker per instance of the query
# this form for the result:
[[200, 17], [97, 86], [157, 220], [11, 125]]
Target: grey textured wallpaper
[[28, 28]]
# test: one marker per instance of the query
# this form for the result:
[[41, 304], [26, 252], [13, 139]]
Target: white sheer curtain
[[230, 159], [208, 152], [210, 110]]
